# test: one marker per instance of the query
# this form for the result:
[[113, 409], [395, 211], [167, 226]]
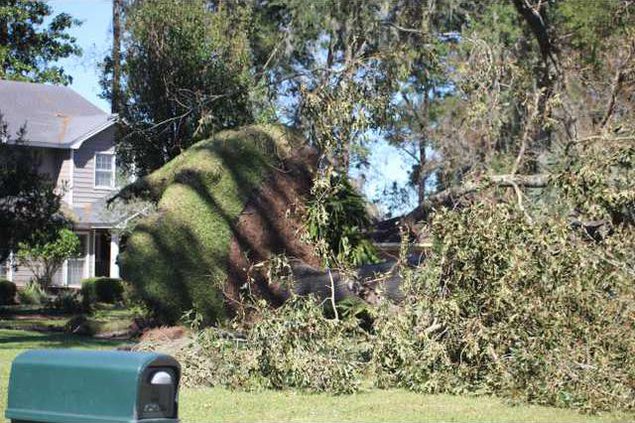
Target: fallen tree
[[389, 230], [223, 205]]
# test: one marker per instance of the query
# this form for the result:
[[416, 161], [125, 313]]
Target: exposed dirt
[[163, 333], [271, 223]]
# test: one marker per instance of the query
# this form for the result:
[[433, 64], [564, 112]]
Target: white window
[[77, 268], [104, 170]]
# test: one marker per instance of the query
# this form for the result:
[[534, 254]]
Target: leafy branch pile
[[294, 346], [529, 301], [514, 309], [522, 301], [529, 311]]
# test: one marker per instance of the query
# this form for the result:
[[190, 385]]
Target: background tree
[[339, 68], [45, 256], [489, 91], [28, 202], [518, 83], [188, 74], [525, 92], [28, 47], [429, 32]]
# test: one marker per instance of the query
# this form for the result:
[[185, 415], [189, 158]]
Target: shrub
[[32, 294], [44, 256], [133, 301], [67, 302], [8, 292], [102, 290], [81, 325]]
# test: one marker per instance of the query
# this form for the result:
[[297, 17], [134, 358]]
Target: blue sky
[[94, 36]]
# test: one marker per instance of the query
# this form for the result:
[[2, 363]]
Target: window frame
[[113, 171]]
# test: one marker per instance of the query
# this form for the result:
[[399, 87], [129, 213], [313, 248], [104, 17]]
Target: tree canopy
[[29, 206], [188, 74], [29, 47], [466, 90]]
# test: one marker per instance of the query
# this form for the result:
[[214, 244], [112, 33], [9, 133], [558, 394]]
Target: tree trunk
[[116, 56], [537, 21], [422, 177], [451, 195], [423, 143], [4, 33]]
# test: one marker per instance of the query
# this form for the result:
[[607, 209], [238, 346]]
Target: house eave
[[83, 226], [77, 143], [31, 143]]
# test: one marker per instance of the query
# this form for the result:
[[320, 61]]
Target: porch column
[[11, 265], [114, 252]]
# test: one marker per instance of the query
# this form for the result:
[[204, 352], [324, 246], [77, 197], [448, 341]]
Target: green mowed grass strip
[[222, 405]]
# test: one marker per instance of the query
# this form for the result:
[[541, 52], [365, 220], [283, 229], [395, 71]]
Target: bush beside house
[[67, 301], [102, 290], [32, 294], [8, 292]]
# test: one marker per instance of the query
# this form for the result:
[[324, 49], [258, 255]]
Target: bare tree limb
[[525, 136], [449, 196], [535, 19], [332, 298], [550, 73], [618, 82]]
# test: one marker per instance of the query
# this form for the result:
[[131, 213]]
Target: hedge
[[102, 290], [8, 291]]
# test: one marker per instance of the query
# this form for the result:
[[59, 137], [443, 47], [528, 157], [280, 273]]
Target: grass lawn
[[220, 405], [211, 405], [105, 318], [30, 318]]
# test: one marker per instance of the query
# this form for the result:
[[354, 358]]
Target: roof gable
[[54, 116]]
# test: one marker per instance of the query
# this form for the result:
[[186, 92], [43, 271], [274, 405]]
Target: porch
[[98, 254]]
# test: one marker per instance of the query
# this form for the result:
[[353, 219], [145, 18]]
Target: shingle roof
[[96, 214], [54, 116]]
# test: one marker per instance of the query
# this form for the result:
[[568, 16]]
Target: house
[[75, 144]]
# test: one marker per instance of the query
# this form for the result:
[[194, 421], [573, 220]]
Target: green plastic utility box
[[69, 386]]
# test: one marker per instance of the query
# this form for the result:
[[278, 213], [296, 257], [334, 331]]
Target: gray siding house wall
[[67, 134], [63, 181], [84, 187]]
